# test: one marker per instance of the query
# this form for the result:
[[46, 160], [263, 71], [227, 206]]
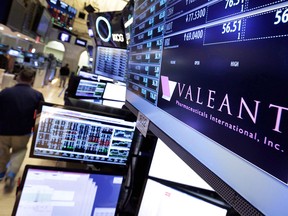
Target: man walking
[[17, 111]]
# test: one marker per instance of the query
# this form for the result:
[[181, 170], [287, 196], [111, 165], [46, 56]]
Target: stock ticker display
[[79, 136], [160, 25], [219, 66], [111, 62]]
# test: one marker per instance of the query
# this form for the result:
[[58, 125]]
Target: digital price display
[[220, 67], [146, 49]]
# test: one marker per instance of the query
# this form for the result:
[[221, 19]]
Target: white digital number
[[231, 3], [196, 15], [231, 27], [281, 17]]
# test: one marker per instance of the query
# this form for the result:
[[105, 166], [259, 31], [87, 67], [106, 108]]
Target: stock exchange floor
[[53, 94]]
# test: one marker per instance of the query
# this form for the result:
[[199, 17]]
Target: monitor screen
[[115, 92], [111, 62], [162, 200], [167, 165], [101, 138], [208, 68], [90, 89], [63, 15], [87, 75], [80, 42], [14, 52], [62, 191], [64, 37]]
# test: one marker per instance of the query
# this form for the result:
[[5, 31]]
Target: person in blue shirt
[[18, 105]]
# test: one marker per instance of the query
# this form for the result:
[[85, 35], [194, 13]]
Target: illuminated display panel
[[63, 15], [60, 191], [146, 50], [162, 200], [90, 89], [222, 73], [63, 133], [111, 63]]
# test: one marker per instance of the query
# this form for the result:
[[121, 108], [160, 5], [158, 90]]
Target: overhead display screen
[[108, 29], [62, 14], [111, 62], [220, 67]]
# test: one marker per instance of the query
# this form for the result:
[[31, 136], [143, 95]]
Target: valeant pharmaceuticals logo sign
[[168, 88], [208, 98]]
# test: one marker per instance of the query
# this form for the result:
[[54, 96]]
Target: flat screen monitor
[[167, 165], [64, 37], [115, 92], [62, 191], [90, 89], [102, 138], [76, 86], [63, 15], [87, 75], [111, 63], [205, 74], [80, 42], [162, 200]]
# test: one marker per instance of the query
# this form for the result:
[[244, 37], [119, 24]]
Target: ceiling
[[99, 5], [79, 26]]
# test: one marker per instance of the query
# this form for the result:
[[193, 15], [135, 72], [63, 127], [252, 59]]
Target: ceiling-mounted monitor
[[64, 37], [111, 62], [63, 15], [108, 29], [80, 42]]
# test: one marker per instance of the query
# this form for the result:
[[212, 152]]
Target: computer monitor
[[167, 165], [76, 87], [111, 62], [61, 191], [214, 85], [64, 37], [115, 92], [102, 138], [90, 89], [87, 75], [161, 200]]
